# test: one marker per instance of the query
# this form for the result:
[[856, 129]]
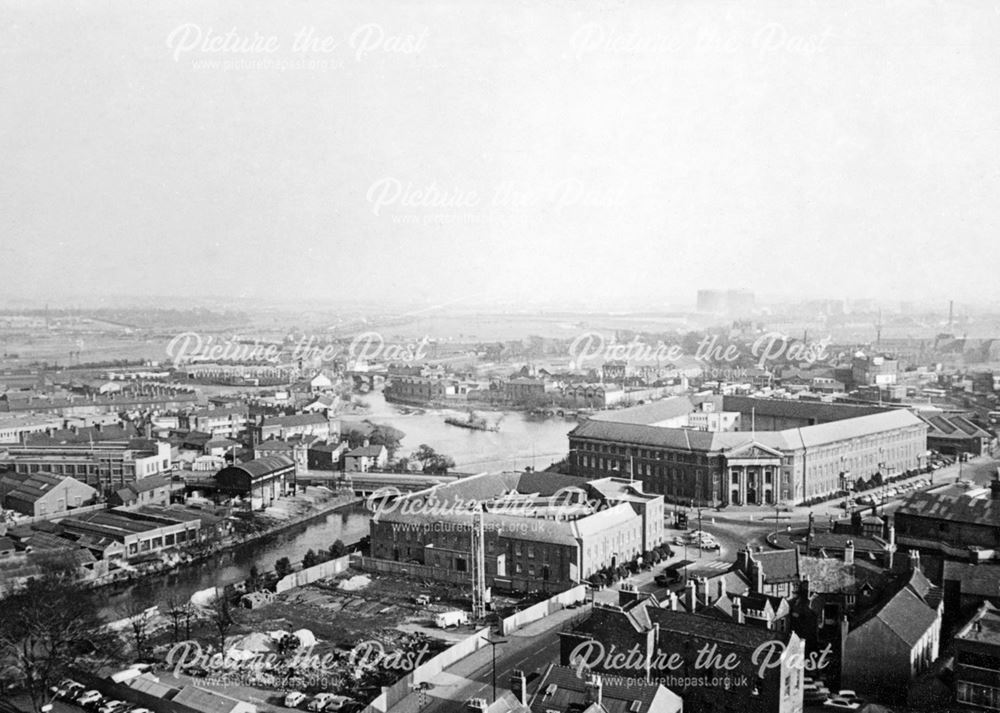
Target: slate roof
[[570, 689], [366, 452], [788, 439], [654, 412], [958, 508], [910, 612], [953, 427], [273, 444], [748, 638], [778, 565], [976, 579], [35, 486], [298, 419], [265, 465]]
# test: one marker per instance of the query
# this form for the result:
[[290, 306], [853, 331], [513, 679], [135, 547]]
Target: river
[[521, 442]]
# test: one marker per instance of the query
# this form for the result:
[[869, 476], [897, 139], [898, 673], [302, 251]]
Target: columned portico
[[753, 475]]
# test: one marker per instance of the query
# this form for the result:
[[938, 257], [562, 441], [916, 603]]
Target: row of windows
[[641, 453]]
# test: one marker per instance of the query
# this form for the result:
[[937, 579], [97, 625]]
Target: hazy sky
[[621, 153]]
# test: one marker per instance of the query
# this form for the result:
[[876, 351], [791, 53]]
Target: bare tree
[[139, 623], [48, 625], [222, 618]]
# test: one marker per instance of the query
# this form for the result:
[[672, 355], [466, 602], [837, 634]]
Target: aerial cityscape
[[608, 356]]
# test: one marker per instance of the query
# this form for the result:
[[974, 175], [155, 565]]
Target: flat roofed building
[[140, 532]]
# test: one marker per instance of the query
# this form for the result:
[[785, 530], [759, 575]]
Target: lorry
[[448, 619]]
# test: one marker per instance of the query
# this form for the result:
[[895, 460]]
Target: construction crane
[[480, 594]]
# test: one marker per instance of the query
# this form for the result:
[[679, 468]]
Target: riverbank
[[134, 575]]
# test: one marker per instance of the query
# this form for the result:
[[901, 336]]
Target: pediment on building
[[753, 451]]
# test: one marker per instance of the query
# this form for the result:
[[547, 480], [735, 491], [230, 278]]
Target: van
[[448, 619]]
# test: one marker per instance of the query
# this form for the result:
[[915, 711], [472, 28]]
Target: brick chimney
[[757, 575], [594, 689], [914, 560], [627, 593], [690, 595], [722, 588], [737, 608], [703, 585], [519, 686], [477, 705], [849, 552]]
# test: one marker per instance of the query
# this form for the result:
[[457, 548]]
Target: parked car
[[294, 699], [67, 689], [340, 703], [842, 704], [423, 600], [88, 698], [113, 707], [847, 693], [320, 702]]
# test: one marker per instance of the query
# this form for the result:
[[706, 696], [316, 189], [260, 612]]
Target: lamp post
[[494, 643]]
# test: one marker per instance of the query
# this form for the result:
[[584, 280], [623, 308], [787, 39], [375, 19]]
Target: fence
[[313, 574], [543, 609], [372, 564], [392, 695]]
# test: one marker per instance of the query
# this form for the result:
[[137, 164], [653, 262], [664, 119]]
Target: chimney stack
[[706, 598], [722, 587], [995, 486], [519, 686], [594, 686], [804, 587], [757, 576], [914, 560], [690, 597], [477, 705], [738, 610], [849, 552], [673, 601]]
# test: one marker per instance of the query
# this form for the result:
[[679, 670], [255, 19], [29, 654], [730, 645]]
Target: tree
[[46, 625], [222, 618], [338, 549], [181, 614], [283, 567], [253, 581], [309, 560], [138, 625], [431, 461]]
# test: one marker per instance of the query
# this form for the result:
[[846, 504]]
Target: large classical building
[[777, 451], [537, 527]]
